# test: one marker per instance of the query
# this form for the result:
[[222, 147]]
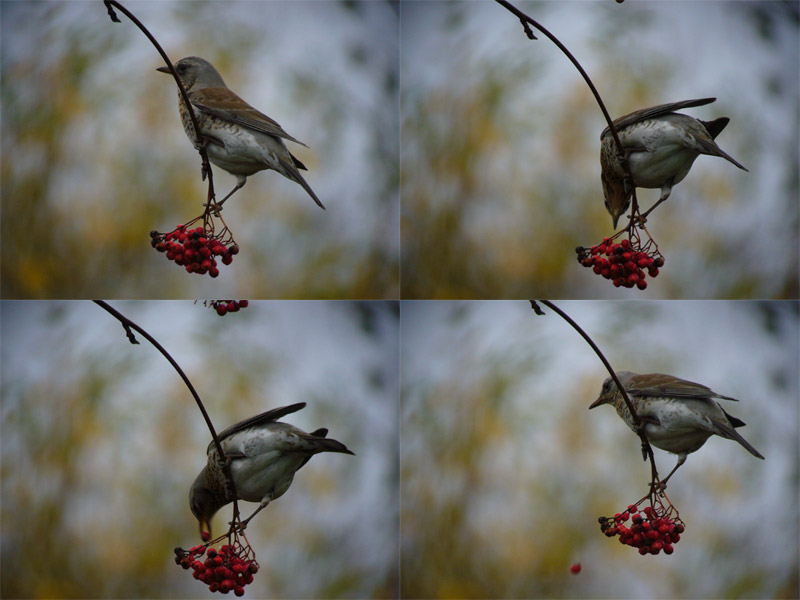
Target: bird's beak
[[205, 532], [614, 219], [599, 400], [164, 70]]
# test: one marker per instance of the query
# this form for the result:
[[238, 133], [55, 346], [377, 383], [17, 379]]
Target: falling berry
[[575, 568]]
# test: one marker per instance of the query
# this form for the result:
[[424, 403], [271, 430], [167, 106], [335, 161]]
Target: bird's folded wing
[[266, 417], [655, 111], [223, 103], [656, 385]]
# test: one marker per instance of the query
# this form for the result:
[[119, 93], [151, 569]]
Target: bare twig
[[647, 450], [200, 143], [623, 157], [129, 325]]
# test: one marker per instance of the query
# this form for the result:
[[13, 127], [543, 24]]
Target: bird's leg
[[643, 423], [224, 466], [623, 157], [681, 460], [238, 186], [264, 502], [666, 190]]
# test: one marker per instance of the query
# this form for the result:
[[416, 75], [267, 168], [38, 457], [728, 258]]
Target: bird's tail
[[715, 127], [744, 443], [732, 434], [329, 445], [323, 444], [292, 172]]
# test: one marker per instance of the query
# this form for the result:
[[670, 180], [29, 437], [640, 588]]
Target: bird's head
[[608, 393], [196, 73], [616, 200], [204, 504]]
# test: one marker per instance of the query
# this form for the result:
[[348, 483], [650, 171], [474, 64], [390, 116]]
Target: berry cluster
[[651, 534], [195, 248], [223, 571], [624, 263], [225, 306]]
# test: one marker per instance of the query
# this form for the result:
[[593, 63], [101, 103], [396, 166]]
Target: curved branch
[[647, 450], [623, 158], [200, 144], [129, 325]]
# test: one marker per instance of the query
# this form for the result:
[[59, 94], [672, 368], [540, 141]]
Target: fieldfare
[[661, 146], [238, 138], [677, 415], [264, 456]]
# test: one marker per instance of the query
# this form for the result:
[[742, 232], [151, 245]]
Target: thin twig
[[623, 158], [129, 325], [200, 144], [647, 450]]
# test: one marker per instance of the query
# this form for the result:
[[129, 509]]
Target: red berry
[[238, 590], [641, 284], [575, 568], [213, 271], [227, 259]]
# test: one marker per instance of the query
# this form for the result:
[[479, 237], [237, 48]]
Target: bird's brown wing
[[658, 384], [266, 417], [223, 103], [654, 111]]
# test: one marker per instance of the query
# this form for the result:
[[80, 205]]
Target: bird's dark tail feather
[[294, 174], [329, 445]]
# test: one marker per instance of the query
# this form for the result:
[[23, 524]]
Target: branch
[[200, 143], [623, 158], [647, 450], [129, 325]]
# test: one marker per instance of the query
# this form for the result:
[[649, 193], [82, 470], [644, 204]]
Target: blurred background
[[101, 441], [500, 167], [504, 470], [95, 157]]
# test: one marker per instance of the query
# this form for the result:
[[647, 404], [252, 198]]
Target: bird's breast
[[661, 152], [268, 474]]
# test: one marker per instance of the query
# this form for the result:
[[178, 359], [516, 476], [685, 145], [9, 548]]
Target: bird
[[661, 146], [237, 137], [677, 415], [264, 455]]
